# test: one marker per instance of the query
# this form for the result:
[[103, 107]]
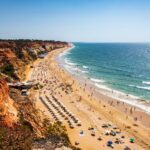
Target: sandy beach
[[91, 119]]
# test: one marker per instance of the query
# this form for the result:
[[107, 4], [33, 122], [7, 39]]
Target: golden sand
[[91, 111]]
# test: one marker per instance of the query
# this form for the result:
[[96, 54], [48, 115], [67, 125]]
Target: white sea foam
[[85, 67], [83, 71], [67, 61], [62, 54], [66, 52], [130, 99], [70, 69], [72, 64], [127, 98], [143, 87], [133, 102], [74, 70], [146, 82], [131, 85], [102, 87], [97, 80]]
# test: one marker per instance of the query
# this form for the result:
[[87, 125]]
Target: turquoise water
[[121, 66]]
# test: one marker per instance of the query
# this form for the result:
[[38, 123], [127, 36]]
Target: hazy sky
[[76, 20]]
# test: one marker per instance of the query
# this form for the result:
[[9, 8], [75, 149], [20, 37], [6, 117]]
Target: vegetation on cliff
[[20, 124], [16, 54]]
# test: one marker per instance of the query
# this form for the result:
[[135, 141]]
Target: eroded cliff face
[[20, 123], [8, 113], [15, 55]]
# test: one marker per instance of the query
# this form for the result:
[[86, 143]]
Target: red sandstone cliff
[[16, 54], [20, 123], [8, 113]]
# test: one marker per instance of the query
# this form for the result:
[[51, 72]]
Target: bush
[[58, 133], [19, 53], [2, 136], [8, 69], [17, 137]]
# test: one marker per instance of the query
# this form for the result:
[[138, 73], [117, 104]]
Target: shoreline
[[91, 112], [131, 100]]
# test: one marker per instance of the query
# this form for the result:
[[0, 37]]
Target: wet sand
[[65, 99]]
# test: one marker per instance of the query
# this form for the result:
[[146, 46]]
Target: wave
[[131, 85], [80, 69], [102, 87], [74, 70], [83, 71], [134, 102], [143, 87], [63, 54], [127, 98], [71, 67], [115, 93], [146, 82], [85, 67], [66, 52], [70, 63], [140, 87], [97, 80]]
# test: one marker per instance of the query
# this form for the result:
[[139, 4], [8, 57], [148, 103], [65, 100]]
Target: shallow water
[[119, 70]]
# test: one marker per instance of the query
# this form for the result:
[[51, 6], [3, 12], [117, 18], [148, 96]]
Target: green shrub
[[8, 69], [2, 135], [58, 132], [19, 53], [15, 138]]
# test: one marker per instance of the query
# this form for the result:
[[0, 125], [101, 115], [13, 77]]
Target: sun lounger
[[93, 133], [99, 138]]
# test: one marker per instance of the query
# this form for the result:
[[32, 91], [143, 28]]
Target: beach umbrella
[[109, 143], [113, 133], [132, 140]]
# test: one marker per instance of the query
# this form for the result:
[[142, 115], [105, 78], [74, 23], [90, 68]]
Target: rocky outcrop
[[20, 123], [16, 54], [8, 113]]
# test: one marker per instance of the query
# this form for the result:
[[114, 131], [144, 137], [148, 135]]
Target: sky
[[76, 20]]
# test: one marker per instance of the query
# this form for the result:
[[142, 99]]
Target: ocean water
[[123, 67]]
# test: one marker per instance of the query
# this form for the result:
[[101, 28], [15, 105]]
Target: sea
[[119, 70]]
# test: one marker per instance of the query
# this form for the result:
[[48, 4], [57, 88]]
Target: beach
[[91, 118]]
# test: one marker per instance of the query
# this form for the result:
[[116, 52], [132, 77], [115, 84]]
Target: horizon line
[[75, 41]]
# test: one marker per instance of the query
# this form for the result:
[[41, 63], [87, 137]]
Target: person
[[111, 103], [110, 144], [81, 132], [135, 118]]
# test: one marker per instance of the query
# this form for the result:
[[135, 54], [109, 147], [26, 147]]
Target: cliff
[[8, 113], [16, 54], [20, 123]]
